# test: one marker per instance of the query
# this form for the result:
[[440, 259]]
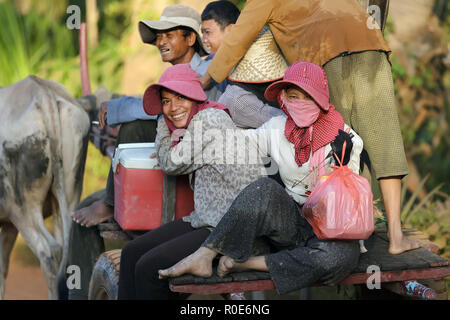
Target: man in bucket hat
[[176, 17], [176, 35]]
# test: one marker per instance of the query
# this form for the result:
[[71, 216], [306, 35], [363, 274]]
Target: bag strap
[[343, 153]]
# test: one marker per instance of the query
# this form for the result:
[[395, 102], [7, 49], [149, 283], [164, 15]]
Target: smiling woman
[[180, 98], [176, 107]]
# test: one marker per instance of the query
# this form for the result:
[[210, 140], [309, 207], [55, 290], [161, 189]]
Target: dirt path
[[25, 283], [25, 280]]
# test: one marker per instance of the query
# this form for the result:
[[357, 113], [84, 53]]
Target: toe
[[166, 273]]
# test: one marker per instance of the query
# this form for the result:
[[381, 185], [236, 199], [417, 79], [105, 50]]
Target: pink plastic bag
[[340, 206]]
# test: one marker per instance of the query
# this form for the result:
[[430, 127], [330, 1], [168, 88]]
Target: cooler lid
[[135, 156]]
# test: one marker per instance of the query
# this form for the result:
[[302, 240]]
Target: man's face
[[213, 34], [174, 47]]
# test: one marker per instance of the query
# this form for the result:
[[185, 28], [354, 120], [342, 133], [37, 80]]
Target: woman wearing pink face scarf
[[299, 143]]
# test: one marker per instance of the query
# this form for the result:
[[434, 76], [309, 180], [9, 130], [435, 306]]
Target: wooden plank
[[228, 287], [169, 199], [394, 276], [358, 278], [114, 235], [411, 265], [109, 226], [378, 254]]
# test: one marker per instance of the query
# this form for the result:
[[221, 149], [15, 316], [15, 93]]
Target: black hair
[[222, 12]]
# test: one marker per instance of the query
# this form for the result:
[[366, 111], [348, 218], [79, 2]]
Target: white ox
[[43, 140]]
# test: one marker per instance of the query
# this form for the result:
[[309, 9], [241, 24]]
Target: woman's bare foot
[[95, 214], [199, 264], [228, 265]]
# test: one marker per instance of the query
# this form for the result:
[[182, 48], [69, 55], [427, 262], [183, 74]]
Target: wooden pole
[[85, 83]]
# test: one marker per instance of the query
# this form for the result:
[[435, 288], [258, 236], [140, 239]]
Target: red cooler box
[[138, 188]]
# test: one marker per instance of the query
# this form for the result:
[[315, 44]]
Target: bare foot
[[95, 214], [228, 265], [199, 264], [397, 246]]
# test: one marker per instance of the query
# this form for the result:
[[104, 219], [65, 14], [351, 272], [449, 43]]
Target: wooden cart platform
[[396, 271]]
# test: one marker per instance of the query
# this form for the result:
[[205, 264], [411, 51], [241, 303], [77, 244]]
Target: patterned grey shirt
[[217, 162], [246, 109]]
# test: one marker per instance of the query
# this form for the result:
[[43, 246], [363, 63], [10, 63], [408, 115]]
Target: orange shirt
[[306, 30]]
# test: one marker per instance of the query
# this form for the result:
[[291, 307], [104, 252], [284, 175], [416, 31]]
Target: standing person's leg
[[138, 247], [362, 89], [102, 210]]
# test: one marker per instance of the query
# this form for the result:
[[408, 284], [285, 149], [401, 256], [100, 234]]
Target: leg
[[262, 210], [384, 144], [361, 87], [391, 189], [135, 249], [49, 252], [86, 245], [228, 265], [318, 261], [148, 284], [8, 236], [102, 210]]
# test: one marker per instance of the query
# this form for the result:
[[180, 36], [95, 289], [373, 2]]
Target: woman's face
[[176, 107], [294, 93]]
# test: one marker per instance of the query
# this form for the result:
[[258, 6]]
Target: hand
[[338, 144], [102, 113], [206, 81]]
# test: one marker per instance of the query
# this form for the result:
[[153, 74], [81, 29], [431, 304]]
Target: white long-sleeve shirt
[[269, 140]]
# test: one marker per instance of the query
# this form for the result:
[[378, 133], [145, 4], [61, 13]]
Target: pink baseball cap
[[309, 77], [179, 78]]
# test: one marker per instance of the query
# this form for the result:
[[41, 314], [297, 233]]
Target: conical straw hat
[[263, 61]]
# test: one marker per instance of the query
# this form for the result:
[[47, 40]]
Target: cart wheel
[[104, 283]]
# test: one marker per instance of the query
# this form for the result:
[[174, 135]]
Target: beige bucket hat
[[263, 61], [173, 16]]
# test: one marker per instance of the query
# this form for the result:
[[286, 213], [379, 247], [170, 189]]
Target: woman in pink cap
[[187, 142], [299, 143]]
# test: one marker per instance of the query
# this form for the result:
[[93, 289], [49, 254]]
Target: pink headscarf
[[312, 79], [183, 80]]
